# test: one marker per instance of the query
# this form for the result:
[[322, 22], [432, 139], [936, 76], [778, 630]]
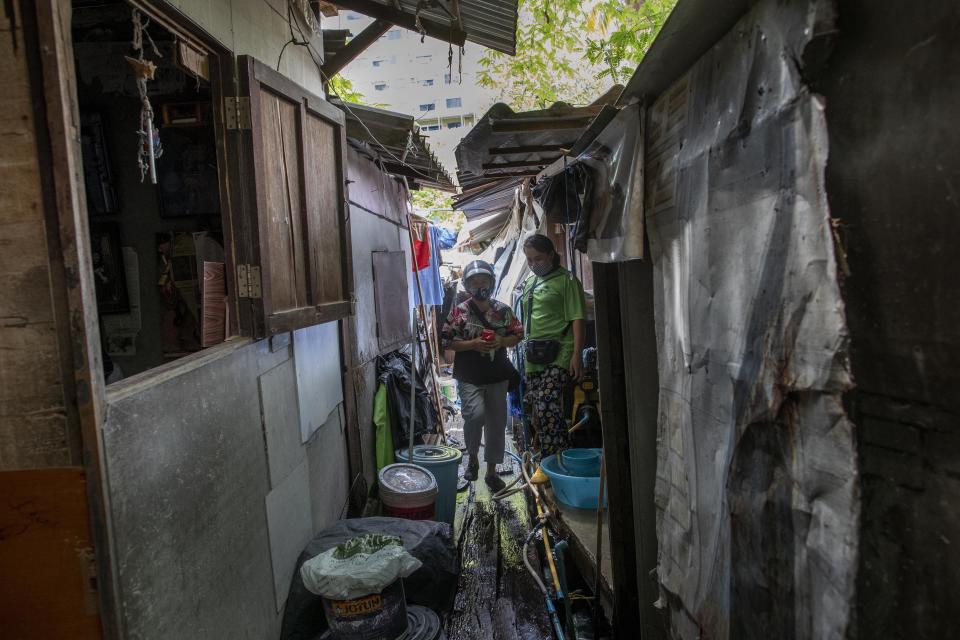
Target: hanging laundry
[[420, 229], [440, 238]]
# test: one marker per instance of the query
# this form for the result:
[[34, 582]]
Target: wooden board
[[296, 204], [496, 596], [33, 426], [323, 221], [374, 190], [214, 317], [390, 283], [46, 557]]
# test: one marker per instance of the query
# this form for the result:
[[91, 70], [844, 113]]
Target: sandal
[[495, 483], [473, 470]]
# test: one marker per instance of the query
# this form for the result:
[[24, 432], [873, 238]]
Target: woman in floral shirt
[[480, 330]]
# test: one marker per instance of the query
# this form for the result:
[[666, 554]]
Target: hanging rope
[[450, 61], [148, 137], [416, 21]]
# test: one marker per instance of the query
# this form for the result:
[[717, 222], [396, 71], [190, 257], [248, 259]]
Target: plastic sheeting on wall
[[757, 468]]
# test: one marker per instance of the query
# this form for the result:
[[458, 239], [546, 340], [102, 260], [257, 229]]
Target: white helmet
[[480, 268]]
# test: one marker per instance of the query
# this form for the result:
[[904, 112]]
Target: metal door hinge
[[248, 281], [236, 113]]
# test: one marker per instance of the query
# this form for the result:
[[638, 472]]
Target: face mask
[[541, 269], [480, 293]]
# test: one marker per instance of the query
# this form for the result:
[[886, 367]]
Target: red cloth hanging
[[421, 245]]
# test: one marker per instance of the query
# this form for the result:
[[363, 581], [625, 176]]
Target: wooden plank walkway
[[496, 597]]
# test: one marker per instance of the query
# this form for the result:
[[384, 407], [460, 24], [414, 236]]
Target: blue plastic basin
[[577, 491], [580, 462]]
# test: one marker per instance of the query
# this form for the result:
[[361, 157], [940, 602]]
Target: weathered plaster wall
[[893, 94], [257, 28]]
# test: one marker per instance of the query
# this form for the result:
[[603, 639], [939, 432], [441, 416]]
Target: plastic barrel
[[408, 491], [378, 616], [443, 461]]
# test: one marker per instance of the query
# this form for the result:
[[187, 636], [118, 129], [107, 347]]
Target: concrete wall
[[892, 95], [214, 492]]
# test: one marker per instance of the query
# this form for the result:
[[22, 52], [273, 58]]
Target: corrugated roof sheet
[[489, 23], [505, 147], [691, 29], [394, 140]]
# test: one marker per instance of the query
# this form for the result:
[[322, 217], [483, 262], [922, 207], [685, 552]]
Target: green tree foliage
[[437, 206], [572, 50], [344, 89]]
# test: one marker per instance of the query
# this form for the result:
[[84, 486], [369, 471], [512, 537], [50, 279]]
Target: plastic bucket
[[580, 492], [443, 462], [448, 387], [378, 616], [408, 491], [581, 462]]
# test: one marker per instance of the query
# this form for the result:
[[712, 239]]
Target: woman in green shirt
[[553, 309]]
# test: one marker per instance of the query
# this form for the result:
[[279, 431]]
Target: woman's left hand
[[576, 368]]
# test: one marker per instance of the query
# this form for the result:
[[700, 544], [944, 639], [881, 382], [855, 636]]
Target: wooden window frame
[[258, 316]]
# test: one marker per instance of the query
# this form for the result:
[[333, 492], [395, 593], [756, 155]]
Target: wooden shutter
[[297, 270]]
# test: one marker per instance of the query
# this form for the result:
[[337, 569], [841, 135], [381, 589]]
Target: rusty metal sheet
[[757, 509]]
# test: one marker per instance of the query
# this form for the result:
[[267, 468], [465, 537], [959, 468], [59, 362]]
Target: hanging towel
[[421, 244]]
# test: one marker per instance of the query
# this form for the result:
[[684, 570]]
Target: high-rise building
[[403, 74]]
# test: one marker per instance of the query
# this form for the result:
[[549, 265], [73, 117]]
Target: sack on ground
[[360, 566], [432, 585]]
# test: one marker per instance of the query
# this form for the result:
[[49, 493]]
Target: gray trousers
[[484, 409]]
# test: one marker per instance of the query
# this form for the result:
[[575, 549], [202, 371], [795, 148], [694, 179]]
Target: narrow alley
[[479, 319]]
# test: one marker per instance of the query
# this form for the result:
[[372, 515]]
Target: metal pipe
[[596, 573], [582, 422], [413, 386], [554, 618], [558, 550]]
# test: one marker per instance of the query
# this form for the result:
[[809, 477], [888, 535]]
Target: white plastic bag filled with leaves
[[360, 566]]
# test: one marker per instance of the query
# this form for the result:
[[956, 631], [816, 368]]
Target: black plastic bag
[[433, 585], [393, 370]]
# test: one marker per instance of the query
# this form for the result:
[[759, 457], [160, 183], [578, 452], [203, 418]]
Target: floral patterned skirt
[[545, 404]]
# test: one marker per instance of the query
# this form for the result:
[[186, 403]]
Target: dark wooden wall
[[892, 92], [48, 589]]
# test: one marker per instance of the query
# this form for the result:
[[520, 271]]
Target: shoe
[[473, 470], [495, 483]]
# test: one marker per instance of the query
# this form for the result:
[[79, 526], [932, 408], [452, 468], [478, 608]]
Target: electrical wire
[[304, 42]]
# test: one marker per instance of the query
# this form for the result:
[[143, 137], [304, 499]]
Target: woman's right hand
[[483, 346]]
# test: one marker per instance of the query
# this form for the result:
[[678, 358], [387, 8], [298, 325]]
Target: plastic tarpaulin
[[612, 217], [757, 509], [393, 372]]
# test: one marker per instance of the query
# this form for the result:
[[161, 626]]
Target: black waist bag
[[542, 351], [539, 350]]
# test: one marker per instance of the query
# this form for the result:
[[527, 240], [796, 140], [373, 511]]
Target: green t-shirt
[[557, 300]]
